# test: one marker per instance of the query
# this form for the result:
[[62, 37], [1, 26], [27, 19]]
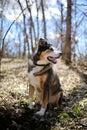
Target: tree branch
[[13, 23], [10, 28]]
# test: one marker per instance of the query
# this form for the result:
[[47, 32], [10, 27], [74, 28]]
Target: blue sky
[[52, 11]]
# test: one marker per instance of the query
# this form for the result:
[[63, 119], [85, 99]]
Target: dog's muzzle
[[54, 59]]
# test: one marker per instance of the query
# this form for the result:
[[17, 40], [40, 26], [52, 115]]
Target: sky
[[11, 15], [12, 11]]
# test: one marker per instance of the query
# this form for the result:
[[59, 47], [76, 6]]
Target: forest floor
[[14, 87]]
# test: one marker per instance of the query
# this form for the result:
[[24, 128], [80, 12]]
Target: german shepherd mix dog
[[43, 79]]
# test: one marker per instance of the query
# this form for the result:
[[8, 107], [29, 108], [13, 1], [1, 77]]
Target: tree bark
[[44, 20], [67, 51], [37, 8], [24, 30], [61, 29], [31, 27]]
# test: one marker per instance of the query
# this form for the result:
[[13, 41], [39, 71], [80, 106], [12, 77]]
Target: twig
[[10, 28], [13, 23]]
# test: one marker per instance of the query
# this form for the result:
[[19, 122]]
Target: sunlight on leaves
[[83, 102]]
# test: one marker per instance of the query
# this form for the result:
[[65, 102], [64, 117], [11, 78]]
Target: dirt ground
[[14, 87]]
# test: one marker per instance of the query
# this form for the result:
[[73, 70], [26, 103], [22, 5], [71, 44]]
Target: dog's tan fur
[[43, 79]]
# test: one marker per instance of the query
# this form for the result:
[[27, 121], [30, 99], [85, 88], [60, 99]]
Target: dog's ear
[[41, 39], [42, 42]]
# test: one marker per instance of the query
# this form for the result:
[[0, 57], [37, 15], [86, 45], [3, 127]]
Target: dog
[[43, 79]]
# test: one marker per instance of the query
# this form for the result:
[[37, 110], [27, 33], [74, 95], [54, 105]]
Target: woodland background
[[22, 23]]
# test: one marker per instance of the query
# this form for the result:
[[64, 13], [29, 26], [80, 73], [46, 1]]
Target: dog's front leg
[[31, 93], [44, 102]]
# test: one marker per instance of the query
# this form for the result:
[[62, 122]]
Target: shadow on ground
[[25, 119], [29, 121]]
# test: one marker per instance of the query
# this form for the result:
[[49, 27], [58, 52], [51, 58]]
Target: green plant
[[77, 111], [25, 101], [64, 118], [34, 98], [1, 95]]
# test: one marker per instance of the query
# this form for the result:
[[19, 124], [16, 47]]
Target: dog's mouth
[[52, 59]]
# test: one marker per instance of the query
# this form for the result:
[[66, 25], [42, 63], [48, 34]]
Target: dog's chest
[[36, 81]]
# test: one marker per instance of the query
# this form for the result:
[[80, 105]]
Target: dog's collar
[[41, 64], [44, 70]]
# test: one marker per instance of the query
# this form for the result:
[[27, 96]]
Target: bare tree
[[62, 37], [32, 28], [67, 51], [44, 20], [2, 6], [37, 8], [24, 30]]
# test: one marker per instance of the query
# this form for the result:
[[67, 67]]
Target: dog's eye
[[41, 43]]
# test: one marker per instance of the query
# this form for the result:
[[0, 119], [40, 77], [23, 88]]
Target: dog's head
[[45, 53]]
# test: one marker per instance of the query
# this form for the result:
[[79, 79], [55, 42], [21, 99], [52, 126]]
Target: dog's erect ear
[[41, 39], [42, 42]]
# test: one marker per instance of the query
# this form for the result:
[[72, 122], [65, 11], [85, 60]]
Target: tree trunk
[[24, 30], [31, 26], [61, 29], [37, 8], [0, 58], [67, 51], [44, 20], [1, 28]]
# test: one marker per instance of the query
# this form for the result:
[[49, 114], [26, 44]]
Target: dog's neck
[[45, 69]]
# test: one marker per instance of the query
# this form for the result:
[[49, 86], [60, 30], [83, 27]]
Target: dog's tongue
[[52, 59]]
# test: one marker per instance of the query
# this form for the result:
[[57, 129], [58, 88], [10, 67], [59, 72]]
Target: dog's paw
[[30, 106], [41, 112]]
